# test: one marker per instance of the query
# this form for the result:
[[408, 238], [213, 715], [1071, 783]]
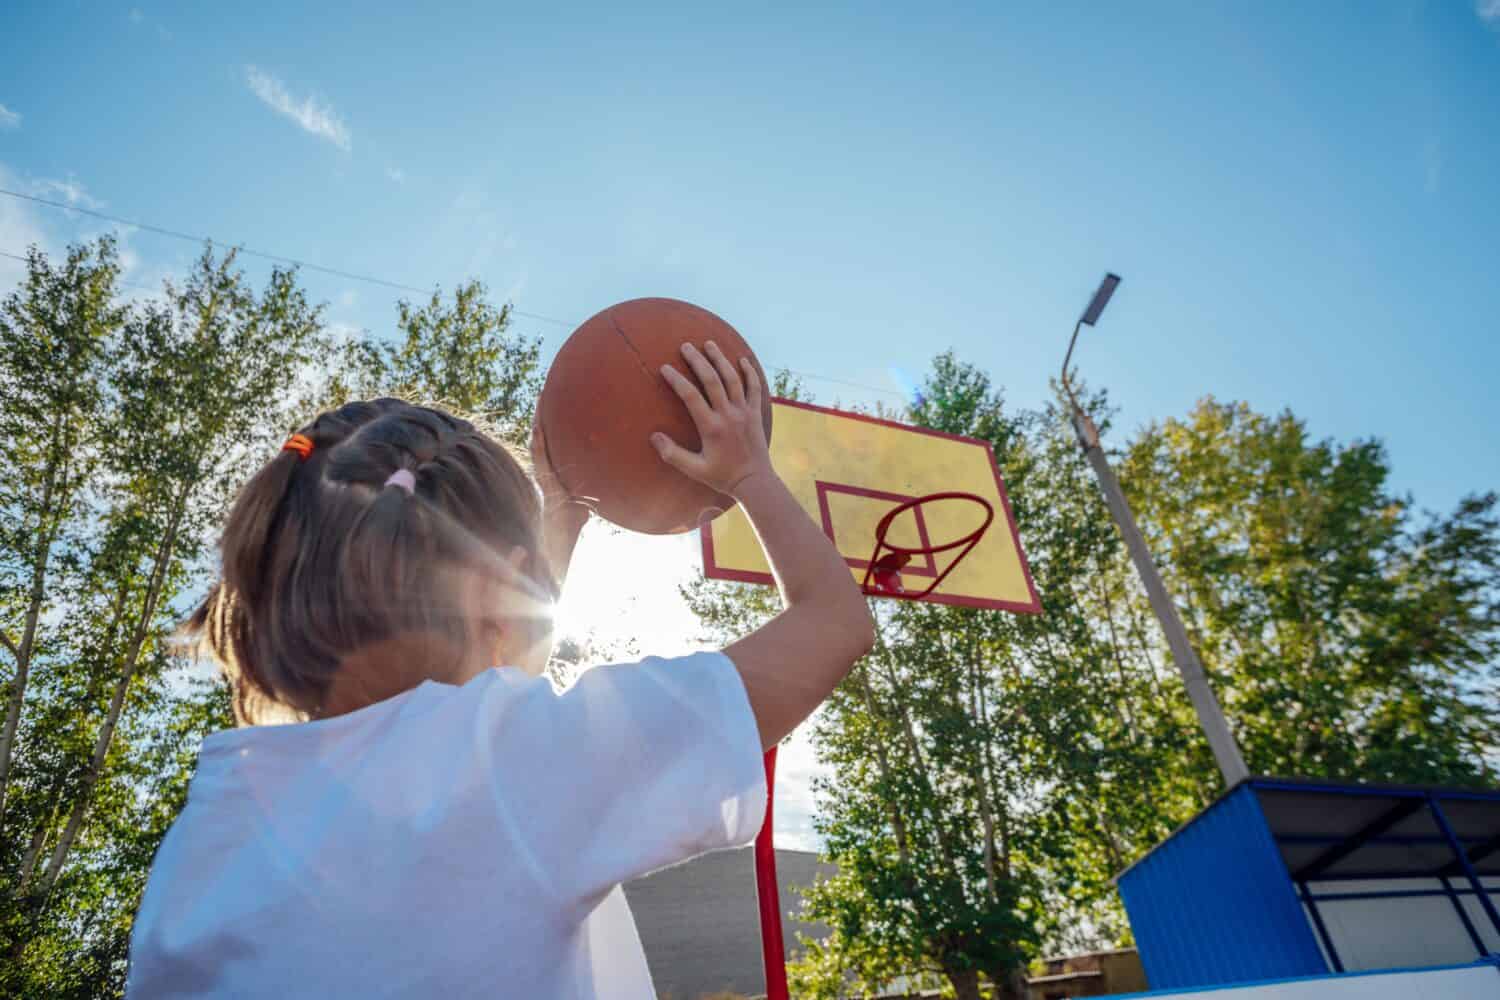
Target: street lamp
[[1210, 715]]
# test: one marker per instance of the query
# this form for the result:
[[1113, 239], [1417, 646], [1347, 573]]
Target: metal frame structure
[[1299, 849], [768, 896], [1410, 801]]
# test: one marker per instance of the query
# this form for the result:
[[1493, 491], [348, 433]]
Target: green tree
[[1350, 636], [460, 355], [54, 337], [959, 742], [162, 407], [990, 772], [126, 431]]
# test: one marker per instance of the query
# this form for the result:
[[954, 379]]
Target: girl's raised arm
[[794, 661]]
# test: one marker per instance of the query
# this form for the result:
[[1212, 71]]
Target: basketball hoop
[[883, 573]]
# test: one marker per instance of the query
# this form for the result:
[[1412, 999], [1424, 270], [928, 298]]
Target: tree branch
[[117, 701]]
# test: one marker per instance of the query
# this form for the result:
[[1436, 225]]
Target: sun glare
[[621, 596], [621, 601]]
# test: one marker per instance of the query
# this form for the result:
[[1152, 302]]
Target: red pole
[[770, 898]]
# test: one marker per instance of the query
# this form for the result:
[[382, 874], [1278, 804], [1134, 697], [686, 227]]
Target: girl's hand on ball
[[541, 464], [563, 517], [727, 413]]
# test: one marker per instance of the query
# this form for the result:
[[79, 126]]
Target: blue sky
[[1303, 198]]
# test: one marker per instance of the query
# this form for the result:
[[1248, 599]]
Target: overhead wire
[[122, 284], [337, 272]]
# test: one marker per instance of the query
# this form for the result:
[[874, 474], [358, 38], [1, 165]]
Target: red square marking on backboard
[[895, 499]]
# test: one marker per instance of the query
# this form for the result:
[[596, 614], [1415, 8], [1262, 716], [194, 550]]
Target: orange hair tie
[[301, 444]]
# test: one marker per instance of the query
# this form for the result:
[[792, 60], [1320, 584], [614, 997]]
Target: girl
[[433, 824]]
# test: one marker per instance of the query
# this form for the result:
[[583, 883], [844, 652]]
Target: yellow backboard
[[851, 472]]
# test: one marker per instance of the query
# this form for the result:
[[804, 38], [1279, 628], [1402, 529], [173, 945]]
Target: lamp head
[[1101, 299]]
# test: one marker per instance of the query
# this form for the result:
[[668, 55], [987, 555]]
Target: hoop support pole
[[768, 895]]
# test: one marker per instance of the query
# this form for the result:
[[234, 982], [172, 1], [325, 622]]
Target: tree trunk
[[28, 863], [965, 983], [28, 637], [921, 769], [986, 812], [1137, 632], [116, 702], [1010, 984], [898, 822], [1112, 846], [1114, 648]]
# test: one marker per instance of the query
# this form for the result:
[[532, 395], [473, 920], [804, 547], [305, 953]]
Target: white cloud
[[396, 174], [9, 118], [68, 190], [1488, 11], [310, 115], [797, 766], [141, 280], [20, 228], [23, 225]]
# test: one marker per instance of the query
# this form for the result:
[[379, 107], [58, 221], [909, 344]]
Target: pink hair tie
[[404, 479]]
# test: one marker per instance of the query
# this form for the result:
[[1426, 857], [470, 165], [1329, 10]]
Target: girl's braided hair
[[321, 557]]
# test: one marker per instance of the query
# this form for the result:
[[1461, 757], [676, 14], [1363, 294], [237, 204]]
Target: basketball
[[604, 397]]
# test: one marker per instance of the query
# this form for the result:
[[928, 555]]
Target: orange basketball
[[604, 397]]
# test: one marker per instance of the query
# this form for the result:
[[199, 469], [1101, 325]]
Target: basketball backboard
[[916, 513]]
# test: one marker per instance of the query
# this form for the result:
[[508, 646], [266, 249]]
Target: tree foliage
[[1358, 638], [460, 355], [989, 772], [125, 430]]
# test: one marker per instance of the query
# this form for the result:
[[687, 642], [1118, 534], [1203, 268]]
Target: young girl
[[437, 822]]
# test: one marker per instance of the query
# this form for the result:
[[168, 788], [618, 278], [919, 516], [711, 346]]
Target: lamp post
[[1210, 715]]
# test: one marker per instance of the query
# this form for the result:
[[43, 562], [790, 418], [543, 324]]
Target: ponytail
[[351, 536]]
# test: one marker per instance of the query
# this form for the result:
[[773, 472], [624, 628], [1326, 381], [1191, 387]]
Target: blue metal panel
[[1214, 904]]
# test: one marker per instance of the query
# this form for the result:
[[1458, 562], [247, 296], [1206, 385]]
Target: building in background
[[700, 925], [1093, 974]]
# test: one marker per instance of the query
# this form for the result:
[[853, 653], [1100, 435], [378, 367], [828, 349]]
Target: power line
[[789, 371], [839, 381], [369, 279], [122, 284], [280, 258], [175, 234]]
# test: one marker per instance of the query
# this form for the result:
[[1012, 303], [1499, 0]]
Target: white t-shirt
[[452, 841]]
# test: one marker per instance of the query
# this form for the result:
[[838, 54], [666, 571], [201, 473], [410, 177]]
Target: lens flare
[[911, 388]]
